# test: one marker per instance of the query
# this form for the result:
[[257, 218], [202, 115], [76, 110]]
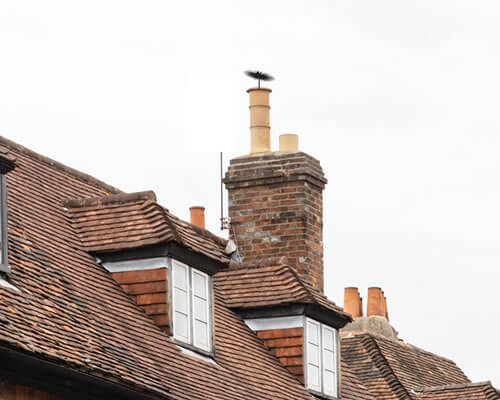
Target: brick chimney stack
[[276, 199]]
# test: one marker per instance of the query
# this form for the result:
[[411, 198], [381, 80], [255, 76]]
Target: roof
[[130, 221], [391, 369], [271, 283], [69, 310], [468, 391]]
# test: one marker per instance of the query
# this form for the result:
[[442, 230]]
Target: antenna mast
[[224, 221]]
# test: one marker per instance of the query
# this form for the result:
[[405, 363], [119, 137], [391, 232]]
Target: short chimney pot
[[198, 216]]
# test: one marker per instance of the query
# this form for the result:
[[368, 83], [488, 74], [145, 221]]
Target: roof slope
[[351, 387], [468, 391], [273, 284], [71, 311], [128, 221], [391, 369]]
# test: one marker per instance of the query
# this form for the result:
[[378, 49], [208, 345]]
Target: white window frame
[[322, 328], [190, 339]]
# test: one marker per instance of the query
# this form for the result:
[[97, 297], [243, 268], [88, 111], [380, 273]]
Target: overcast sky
[[399, 100]]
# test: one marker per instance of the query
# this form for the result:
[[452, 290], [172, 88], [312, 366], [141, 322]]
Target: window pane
[[313, 377], [200, 283], [328, 360], [200, 309], [313, 332], [313, 354], [201, 335], [181, 327], [180, 272], [330, 384], [181, 301], [328, 339]]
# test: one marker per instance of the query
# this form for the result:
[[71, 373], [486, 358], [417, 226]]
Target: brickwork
[[276, 209], [288, 346], [149, 290]]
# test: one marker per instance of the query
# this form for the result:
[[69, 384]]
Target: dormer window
[[321, 358], [191, 306]]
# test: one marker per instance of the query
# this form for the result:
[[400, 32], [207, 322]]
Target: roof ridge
[[424, 389], [299, 279], [114, 198], [394, 381], [86, 178], [166, 214]]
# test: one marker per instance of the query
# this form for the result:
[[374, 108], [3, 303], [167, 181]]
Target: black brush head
[[259, 75]]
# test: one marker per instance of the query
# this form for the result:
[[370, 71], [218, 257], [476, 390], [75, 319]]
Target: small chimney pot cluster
[[376, 305]]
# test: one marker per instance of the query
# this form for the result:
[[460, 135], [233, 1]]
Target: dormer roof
[[269, 284], [133, 220]]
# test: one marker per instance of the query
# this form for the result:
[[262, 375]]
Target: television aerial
[[259, 75]]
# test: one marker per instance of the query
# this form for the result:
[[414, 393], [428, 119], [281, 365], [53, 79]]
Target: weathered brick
[[281, 194]]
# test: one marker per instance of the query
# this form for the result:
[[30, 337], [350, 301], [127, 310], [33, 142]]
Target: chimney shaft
[[352, 302], [260, 127], [375, 302], [198, 216], [275, 200]]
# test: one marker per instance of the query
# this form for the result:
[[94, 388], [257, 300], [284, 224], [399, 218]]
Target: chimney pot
[[375, 304], [352, 302], [260, 127], [289, 142], [198, 216]]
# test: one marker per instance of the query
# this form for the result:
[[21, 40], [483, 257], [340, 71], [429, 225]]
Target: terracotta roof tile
[[271, 283]]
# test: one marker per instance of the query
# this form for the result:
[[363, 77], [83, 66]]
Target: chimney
[[198, 216], [260, 127], [376, 302], [377, 316], [276, 199], [353, 304]]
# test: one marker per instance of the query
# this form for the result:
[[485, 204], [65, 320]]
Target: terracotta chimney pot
[[352, 302], [289, 142], [375, 302], [260, 126], [198, 216]]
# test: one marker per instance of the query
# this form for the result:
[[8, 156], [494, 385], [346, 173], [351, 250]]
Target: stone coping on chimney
[[273, 168]]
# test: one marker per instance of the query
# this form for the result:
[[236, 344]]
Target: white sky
[[398, 99]]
